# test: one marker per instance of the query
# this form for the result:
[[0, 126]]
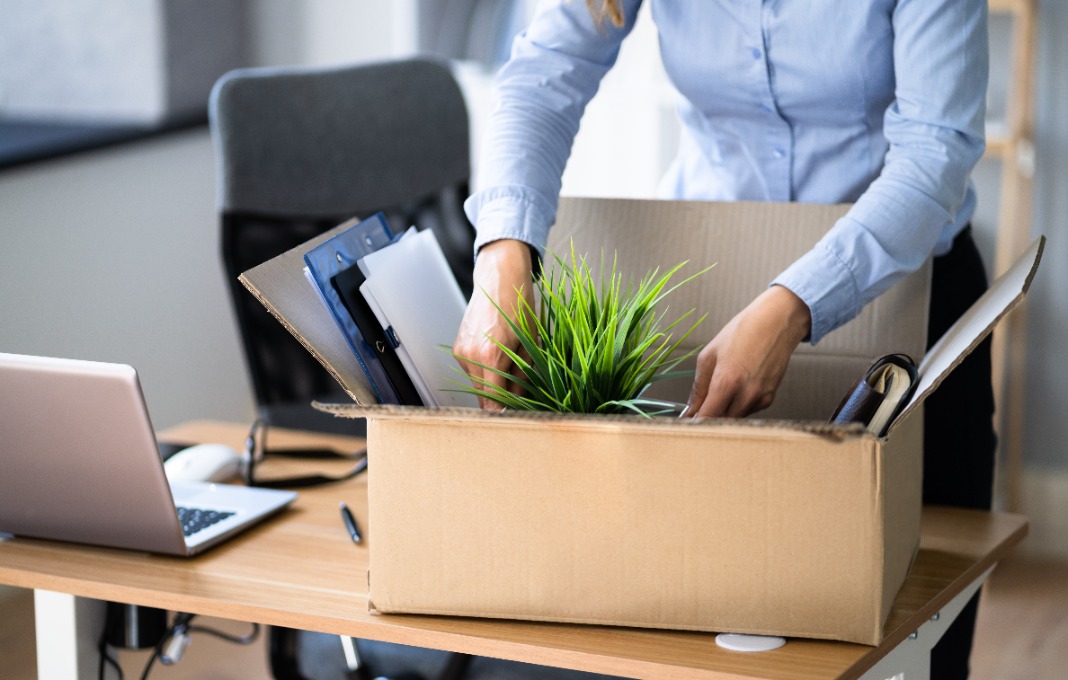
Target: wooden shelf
[[1014, 6], [1011, 141], [997, 146]]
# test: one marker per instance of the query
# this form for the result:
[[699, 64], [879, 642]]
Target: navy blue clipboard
[[331, 258]]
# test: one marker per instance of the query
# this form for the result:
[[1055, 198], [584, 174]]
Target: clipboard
[[334, 256]]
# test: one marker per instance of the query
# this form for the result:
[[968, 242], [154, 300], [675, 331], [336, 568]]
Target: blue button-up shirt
[[879, 103]]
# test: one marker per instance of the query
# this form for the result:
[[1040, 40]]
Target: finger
[[492, 356], [496, 380], [471, 357], [460, 353], [715, 404], [753, 403], [706, 364], [739, 406], [724, 396]]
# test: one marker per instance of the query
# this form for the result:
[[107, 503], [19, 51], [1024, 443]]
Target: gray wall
[[113, 255]]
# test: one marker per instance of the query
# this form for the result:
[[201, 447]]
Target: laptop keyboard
[[198, 519]]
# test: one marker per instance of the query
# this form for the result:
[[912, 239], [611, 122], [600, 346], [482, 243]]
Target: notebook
[[79, 462], [333, 258], [879, 396]]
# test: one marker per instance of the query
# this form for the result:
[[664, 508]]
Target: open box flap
[[973, 327], [280, 286]]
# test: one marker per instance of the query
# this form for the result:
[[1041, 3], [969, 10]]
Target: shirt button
[[779, 152], [756, 53]]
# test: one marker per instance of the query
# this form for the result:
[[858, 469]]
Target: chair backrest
[[299, 150]]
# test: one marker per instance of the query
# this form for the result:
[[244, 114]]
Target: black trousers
[[959, 439]]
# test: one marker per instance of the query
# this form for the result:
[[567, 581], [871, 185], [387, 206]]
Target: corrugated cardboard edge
[[399, 412], [975, 325], [902, 510], [651, 625], [287, 270], [300, 338]]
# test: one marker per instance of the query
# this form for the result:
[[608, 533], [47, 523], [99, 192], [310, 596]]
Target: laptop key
[[198, 519]]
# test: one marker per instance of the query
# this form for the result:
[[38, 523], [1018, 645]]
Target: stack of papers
[[379, 311]]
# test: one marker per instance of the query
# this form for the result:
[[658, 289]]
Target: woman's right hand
[[502, 273]]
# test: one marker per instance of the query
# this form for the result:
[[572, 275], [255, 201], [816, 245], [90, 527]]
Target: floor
[[201, 661], [1022, 634]]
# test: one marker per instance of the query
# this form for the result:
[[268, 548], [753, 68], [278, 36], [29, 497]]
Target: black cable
[[310, 480], [236, 639], [106, 658], [256, 450], [152, 659], [182, 626], [181, 622]]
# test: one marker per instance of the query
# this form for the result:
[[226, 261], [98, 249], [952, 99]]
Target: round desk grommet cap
[[749, 643]]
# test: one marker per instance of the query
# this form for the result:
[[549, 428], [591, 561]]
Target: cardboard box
[[778, 525]]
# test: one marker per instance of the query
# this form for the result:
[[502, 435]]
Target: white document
[[415, 297]]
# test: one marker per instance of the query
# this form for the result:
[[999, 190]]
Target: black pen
[[350, 523]]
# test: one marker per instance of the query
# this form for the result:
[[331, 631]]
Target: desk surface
[[301, 570]]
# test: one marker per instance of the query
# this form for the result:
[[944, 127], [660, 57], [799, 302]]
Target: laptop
[[79, 462]]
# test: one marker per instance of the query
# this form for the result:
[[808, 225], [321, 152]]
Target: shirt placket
[[775, 151]]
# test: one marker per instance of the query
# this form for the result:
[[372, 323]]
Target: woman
[[879, 103]]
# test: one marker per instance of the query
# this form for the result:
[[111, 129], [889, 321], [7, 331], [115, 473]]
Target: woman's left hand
[[740, 370]]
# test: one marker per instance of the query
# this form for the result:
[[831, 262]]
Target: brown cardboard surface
[[750, 244], [972, 328], [279, 284], [778, 525], [747, 526], [701, 528]]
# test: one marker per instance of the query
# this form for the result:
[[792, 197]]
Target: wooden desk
[[301, 570]]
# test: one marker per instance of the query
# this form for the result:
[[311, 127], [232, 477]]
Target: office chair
[[300, 150]]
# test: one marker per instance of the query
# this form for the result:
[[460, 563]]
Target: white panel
[[68, 633], [64, 59]]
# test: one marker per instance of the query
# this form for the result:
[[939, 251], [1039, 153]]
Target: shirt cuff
[[508, 212], [826, 285]]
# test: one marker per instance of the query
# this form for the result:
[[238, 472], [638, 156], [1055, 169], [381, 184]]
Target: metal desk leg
[[68, 631], [911, 660]]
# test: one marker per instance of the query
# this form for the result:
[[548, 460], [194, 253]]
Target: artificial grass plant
[[589, 348]]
